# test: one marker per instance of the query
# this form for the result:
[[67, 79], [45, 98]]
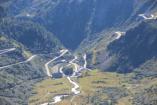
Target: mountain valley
[[78, 52]]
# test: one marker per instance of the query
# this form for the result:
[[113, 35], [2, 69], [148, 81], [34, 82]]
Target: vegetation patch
[[68, 70], [47, 89], [97, 88]]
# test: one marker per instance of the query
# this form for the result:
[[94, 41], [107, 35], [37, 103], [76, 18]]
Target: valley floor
[[96, 88], [89, 87]]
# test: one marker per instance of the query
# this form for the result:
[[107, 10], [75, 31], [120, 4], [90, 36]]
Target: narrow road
[[119, 34], [6, 50], [63, 52], [60, 70], [147, 17], [75, 58], [76, 66], [28, 60], [56, 100], [76, 86], [85, 61]]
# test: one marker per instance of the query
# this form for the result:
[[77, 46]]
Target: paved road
[[6, 50], [56, 100], [148, 17], [63, 52], [28, 60], [85, 61], [75, 88], [119, 34]]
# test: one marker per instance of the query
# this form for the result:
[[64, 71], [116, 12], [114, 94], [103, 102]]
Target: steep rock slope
[[15, 73], [102, 45], [130, 51], [75, 19], [33, 36], [139, 11], [19, 67], [93, 23]]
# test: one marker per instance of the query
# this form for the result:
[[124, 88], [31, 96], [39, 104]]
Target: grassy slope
[[47, 89], [14, 78], [96, 87]]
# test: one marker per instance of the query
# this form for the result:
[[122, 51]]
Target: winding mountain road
[[56, 99], [76, 86], [60, 70], [148, 17], [85, 60], [63, 52], [119, 34], [7, 50], [28, 60], [74, 64]]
